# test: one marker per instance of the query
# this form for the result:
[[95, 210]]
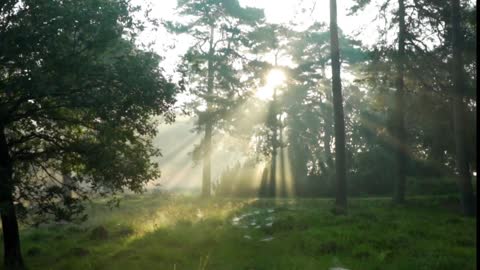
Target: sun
[[275, 78]]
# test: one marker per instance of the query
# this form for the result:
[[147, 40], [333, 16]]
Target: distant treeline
[[249, 179]]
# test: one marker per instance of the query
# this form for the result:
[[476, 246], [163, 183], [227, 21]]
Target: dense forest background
[[305, 128]]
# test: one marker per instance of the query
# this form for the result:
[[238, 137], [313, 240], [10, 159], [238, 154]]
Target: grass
[[173, 233]]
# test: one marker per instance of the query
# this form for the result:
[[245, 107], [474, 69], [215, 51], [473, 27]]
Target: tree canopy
[[77, 97]]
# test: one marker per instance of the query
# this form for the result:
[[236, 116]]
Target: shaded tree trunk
[[399, 133], [297, 152], [327, 138], [283, 178], [459, 114], [207, 141], [273, 175], [11, 237], [328, 152], [438, 150], [341, 194], [328, 133], [207, 161], [263, 192], [273, 168], [67, 184]]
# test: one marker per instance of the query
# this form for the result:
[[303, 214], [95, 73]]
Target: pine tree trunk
[[297, 152], [207, 141], [328, 152], [67, 184], [283, 177], [340, 166], [263, 192], [438, 149], [207, 163], [327, 139], [273, 168], [400, 142], [272, 187], [11, 236], [459, 115]]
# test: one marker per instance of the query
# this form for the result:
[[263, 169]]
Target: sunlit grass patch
[[155, 232]]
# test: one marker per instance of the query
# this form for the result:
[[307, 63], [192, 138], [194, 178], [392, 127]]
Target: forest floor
[[153, 231]]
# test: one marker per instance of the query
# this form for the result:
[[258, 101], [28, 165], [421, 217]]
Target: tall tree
[[213, 64], [76, 95], [276, 140], [273, 38], [310, 96], [399, 133], [459, 112], [273, 119], [339, 121]]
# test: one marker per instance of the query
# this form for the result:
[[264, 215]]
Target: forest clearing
[[180, 232], [238, 134]]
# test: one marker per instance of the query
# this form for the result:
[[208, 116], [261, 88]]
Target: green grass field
[[173, 233]]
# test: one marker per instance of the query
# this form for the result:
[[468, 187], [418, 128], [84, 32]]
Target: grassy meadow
[[153, 231]]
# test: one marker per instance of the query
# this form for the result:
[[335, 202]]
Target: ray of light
[[290, 185], [186, 144], [176, 165], [180, 172]]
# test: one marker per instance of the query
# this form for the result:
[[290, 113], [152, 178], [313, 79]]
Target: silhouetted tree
[[339, 121], [76, 93], [399, 133]]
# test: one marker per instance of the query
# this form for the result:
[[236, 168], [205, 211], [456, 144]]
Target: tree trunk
[[283, 177], [459, 115], [297, 151], [207, 141], [328, 152], [11, 237], [263, 192], [67, 184], [273, 168], [272, 187], [341, 194], [400, 142], [438, 150], [327, 139], [207, 162]]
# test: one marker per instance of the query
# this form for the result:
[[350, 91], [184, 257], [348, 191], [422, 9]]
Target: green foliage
[[428, 80], [214, 65], [77, 95], [308, 128]]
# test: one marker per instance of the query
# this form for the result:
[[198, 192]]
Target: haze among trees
[[330, 137]]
